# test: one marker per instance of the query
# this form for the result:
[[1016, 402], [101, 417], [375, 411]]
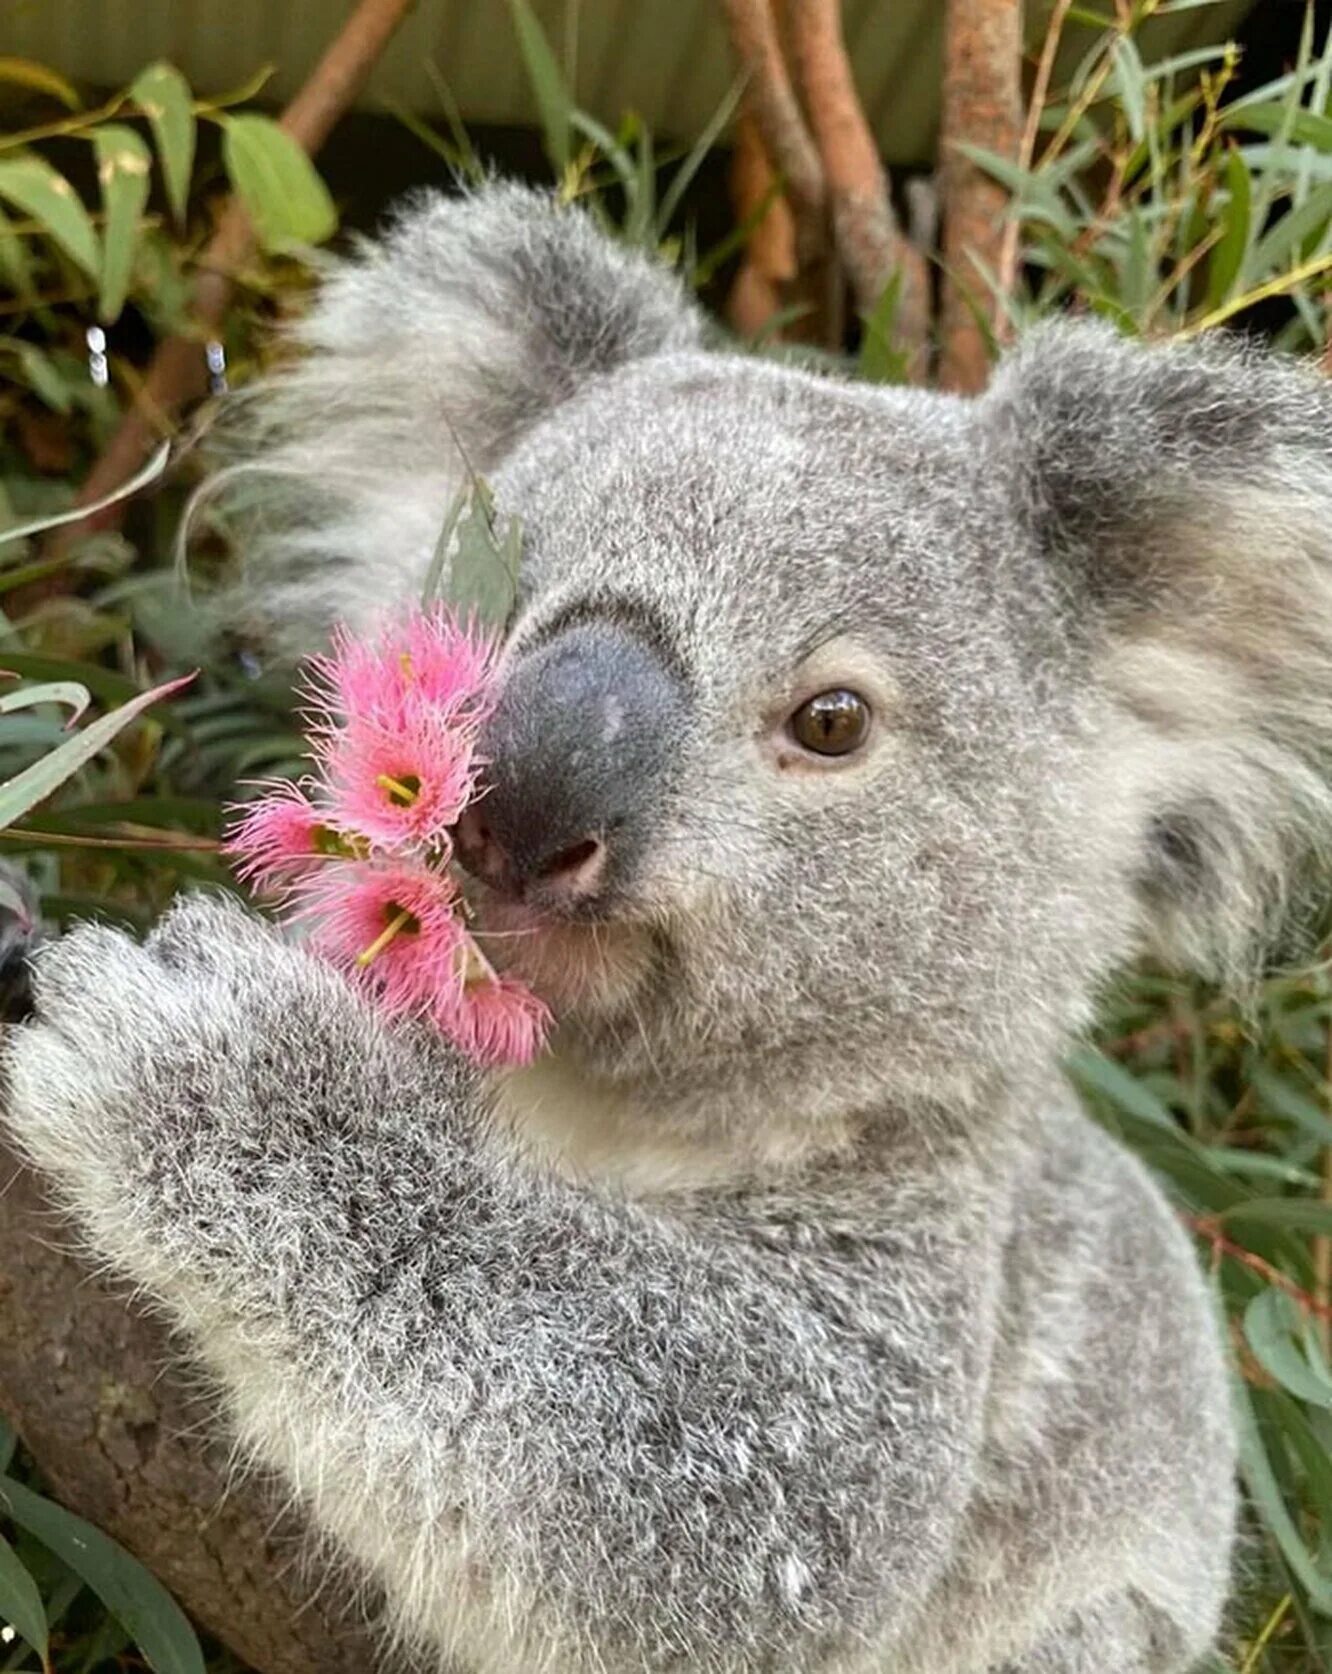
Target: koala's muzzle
[[578, 756]]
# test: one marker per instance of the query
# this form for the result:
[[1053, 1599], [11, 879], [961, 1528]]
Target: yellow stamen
[[405, 663], [403, 791], [399, 922]]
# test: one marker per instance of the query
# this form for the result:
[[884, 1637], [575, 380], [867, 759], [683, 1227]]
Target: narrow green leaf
[[278, 184], [68, 692], [15, 265], [1092, 1070], [123, 168], [32, 185], [135, 1598], [36, 783], [1228, 256], [1300, 1214], [1304, 127], [1278, 1097], [474, 567], [24, 72], [683, 177], [1267, 1496], [39, 525], [20, 1602], [43, 376], [549, 88], [880, 359], [1284, 241], [1275, 1330], [163, 95], [1128, 81]]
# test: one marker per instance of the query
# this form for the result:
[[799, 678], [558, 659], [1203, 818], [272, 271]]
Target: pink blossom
[[493, 1019], [399, 787], [391, 925], [278, 837], [421, 662]]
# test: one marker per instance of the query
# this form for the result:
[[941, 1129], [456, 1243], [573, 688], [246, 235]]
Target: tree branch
[[981, 107], [868, 237], [135, 1450]]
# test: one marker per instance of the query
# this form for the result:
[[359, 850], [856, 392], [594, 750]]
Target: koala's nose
[[578, 752]]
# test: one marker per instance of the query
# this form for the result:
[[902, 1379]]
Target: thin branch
[[1007, 270], [769, 266], [771, 102], [177, 374], [869, 238], [981, 107]]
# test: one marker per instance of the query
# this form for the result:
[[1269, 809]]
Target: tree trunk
[[982, 99], [124, 1440]]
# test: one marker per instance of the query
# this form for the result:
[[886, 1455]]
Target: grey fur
[[789, 1316]]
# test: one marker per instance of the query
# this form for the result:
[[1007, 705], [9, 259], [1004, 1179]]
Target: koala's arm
[[563, 1430]]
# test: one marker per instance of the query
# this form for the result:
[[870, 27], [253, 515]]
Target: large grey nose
[[578, 752]]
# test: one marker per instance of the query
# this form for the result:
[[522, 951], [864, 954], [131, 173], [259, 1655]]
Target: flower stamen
[[401, 792], [401, 922]]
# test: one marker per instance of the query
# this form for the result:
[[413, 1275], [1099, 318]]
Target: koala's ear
[[470, 320], [1180, 499]]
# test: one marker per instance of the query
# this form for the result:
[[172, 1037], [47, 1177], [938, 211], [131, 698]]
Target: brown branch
[[135, 1450], [1007, 270], [769, 268], [176, 374], [981, 107], [868, 237], [771, 102]]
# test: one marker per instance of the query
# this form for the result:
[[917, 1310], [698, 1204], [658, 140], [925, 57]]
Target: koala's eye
[[831, 724]]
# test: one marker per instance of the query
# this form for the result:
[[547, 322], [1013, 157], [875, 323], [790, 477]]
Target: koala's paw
[[137, 1057]]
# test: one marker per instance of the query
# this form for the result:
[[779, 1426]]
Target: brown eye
[[832, 724]]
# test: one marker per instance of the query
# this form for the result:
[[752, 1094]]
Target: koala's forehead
[[700, 480]]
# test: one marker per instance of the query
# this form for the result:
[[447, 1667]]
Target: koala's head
[[849, 735]]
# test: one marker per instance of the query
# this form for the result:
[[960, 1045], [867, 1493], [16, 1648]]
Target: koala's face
[[849, 735], [772, 776]]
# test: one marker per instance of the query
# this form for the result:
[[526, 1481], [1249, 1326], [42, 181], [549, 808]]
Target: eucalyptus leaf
[[36, 783], [124, 164], [32, 185], [549, 88], [134, 1597], [20, 1601], [67, 692], [474, 567], [1276, 1332], [39, 525], [276, 181], [163, 95]]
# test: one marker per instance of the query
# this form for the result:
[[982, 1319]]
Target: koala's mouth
[[578, 966]]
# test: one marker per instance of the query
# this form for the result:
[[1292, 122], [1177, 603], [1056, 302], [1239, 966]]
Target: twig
[[771, 102], [176, 374], [1040, 92], [868, 236], [981, 107], [769, 265], [1206, 1226]]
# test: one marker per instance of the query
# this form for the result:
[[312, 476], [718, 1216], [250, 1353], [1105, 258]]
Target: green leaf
[[163, 95], [1093, 1071], [1277, 1333], [1227, 257], [1266, 1494], [23, 72], [1128, 80], [880, 359], [135, 1598], [68, 692], [43, 375], [1279, 1098], [32, 185], [549, 88], [20, 1601], [1305, 127], [123, 167], [39, 525], [278, 184], [1300, 1214], [683, 177], [1283, 242], [36, 783], [474, 567]]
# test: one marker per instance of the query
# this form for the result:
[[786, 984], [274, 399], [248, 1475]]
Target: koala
[[788, 1314]]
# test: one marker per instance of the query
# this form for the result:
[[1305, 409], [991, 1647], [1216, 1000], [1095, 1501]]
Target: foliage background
[[1157, 195]]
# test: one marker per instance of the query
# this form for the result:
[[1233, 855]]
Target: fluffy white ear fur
[[1183, 497], [473, 317]]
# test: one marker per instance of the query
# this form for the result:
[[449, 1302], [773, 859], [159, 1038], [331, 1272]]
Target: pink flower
[[421, 662], [493, 1019], [399, 787], [391, 925], [278, 837]]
